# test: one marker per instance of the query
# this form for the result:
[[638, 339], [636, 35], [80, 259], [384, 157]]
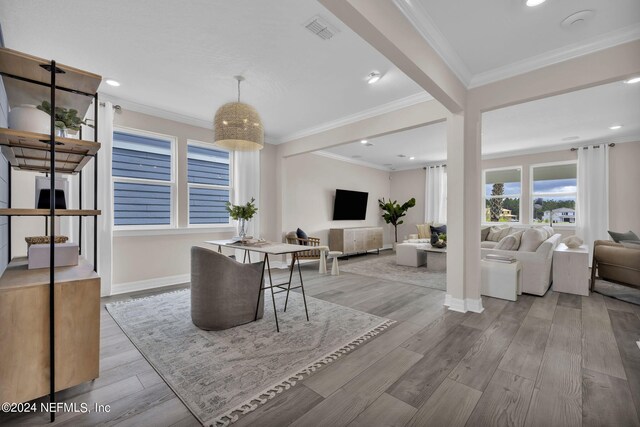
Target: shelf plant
[[64, 118]]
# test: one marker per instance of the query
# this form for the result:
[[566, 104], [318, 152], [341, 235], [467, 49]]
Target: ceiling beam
[[384, 27]]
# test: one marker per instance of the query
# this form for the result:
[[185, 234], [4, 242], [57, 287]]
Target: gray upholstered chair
[[224, 292]]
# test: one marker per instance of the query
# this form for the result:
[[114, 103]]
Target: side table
[[571, 269], [501, 279]]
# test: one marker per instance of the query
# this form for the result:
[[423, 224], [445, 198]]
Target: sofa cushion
[[484, 232], [531, 239], [631, 244], [618, 237], [424, 230], [510, 242], [549, 230], [497, 233], [488, 244]]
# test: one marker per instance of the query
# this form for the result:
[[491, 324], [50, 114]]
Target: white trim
[[350, 160], [353, 118], [611, 39], [223, 228], [422, 22], [141, 285], [463, 305]]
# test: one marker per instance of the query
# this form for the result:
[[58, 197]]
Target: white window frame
[[172, 184], [511, 196], [201, 144], [533, 195]]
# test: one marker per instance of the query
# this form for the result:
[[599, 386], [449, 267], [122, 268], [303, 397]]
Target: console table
[[355, 239]]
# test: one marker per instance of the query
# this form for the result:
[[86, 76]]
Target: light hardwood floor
[[541, 361]]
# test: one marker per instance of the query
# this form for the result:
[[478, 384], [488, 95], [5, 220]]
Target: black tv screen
[[350, 205]]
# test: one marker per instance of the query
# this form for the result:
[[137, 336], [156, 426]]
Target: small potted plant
[[442, 241], [66, 121], [242, 214]]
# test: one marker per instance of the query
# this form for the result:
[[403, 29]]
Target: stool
[[322, 268], [335, 270]]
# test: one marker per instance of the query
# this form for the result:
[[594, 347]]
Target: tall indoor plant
[[392, 212], [242, 214]]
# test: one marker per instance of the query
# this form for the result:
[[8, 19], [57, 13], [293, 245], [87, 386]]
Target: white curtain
[[105, 191], [246, 184], [435, 209], [592, 213]]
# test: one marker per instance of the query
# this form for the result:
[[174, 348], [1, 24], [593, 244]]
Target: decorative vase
[[27, 117], [61, 132], [242, 228]]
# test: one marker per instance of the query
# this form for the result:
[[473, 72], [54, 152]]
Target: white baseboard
[[463, 305], [123, 288]]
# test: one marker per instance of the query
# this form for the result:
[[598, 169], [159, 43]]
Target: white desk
[[571, 270], [269, 248]]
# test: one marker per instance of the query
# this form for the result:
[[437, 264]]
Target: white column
[[464, 170]]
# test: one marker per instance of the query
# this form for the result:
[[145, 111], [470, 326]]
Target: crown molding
[[613, 38], [353, 118], [422, 22], [350, 160]]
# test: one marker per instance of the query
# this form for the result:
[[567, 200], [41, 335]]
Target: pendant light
[[237, 126]]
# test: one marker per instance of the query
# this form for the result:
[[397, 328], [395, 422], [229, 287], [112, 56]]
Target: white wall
[[404, 186], [624, 191], [310, 182]]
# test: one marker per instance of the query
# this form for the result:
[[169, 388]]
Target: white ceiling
[[535, 126], [493, 39], [181, 56]]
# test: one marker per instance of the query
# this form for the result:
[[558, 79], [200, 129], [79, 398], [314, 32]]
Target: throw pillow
[[618, 237], [484, 232], [424, 231], [549, 230], [532, 238], [510, 242], [302, 235], [497, 233]]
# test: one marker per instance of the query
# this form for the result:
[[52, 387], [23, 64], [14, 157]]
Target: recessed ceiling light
[[401, 155], [363, 141], [112, 82], [373, 77], [532, 3], [615, 127], [412, 158], [633, 80]]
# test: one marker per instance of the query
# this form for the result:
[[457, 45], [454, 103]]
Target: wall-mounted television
[[350, 205]]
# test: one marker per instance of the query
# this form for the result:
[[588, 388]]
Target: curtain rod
[[437, 166], [116, 107], [586, 147]]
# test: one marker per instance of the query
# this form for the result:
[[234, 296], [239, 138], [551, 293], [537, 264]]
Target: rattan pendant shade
[[237, 126]]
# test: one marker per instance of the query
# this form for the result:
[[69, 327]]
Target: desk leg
[[219, 249], [273, 297], [260, 290], [304, 298], [249, 252], [293, 263]]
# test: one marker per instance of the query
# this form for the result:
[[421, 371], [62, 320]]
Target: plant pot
[[27, 117]]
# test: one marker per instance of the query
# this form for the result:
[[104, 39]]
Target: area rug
[[220, 375], [614, 290], [385, 267]]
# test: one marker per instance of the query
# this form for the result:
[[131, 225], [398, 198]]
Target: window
[[502, 190], [209, 178], [143, 179], [553, 190]]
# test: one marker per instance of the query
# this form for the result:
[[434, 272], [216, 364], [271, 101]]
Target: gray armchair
[[224, 292]]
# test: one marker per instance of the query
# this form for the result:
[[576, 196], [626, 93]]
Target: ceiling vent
[[321, 28]]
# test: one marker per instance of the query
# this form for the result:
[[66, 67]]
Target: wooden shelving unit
[[50, 317], [30, 151]]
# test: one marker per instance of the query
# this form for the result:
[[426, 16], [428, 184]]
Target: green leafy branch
[[64, 119], [245, 212]]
